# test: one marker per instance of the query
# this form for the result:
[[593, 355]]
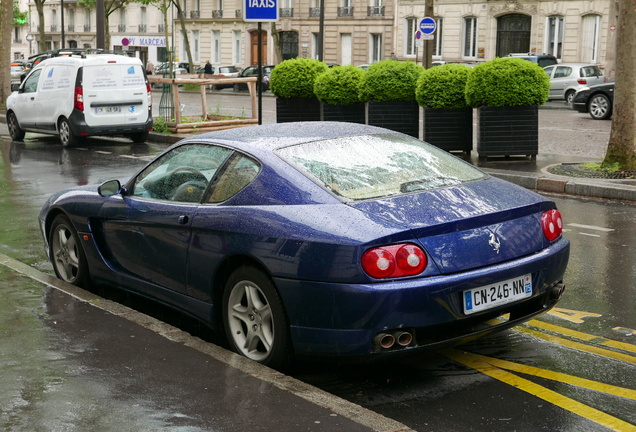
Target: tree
[[39, 6], [621, 149], [184, 32], [6, 26], [110, 6]]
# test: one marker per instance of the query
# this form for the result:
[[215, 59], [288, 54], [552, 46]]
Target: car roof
[[574, 64], [269, 137]]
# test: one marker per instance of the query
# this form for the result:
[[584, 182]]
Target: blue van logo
[[131, 70], [50, 73]]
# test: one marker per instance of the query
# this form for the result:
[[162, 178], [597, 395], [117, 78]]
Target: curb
[[560, 185]]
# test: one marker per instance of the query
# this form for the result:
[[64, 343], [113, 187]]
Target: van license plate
[[107, 110], [497, 294]]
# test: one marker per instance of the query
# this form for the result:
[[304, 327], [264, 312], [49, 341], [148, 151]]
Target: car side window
[[183, 174], [240, 172], [562, 72], [31, 83], [549, 70]]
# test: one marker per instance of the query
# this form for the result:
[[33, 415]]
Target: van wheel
[[66, 135], [140, 137], [17, 134]]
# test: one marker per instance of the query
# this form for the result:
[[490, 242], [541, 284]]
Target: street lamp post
[[29, 39]]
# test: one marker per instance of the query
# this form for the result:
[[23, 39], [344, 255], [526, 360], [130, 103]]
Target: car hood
[[469, 226]]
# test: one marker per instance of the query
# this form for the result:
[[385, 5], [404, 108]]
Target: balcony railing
[[182, 14], [142, 28], [70, 27], [121, 28], [286, 12], [53, 27], [217, 13], [161, 28], [375, 11], [195, 14], [87, 27], [238, 13], [345, 11], [314, 12]]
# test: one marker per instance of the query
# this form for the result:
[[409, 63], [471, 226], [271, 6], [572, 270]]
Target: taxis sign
[[260, 10]]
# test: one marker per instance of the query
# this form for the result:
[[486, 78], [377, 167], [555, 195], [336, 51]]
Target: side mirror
[[109, 188]]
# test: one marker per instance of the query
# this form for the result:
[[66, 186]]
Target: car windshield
[[377, 166]]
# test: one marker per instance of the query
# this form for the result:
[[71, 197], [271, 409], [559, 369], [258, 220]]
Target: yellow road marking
[[583, 336], [580, 346], [572, 315], [560, 377], [546, 394]]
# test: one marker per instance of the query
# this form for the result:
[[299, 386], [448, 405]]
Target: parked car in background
[[177, 68], [222, 70], [80, 95], [542, 60], [317, 238], [252, 71], [17, 69], [567, 78], [597, 100]]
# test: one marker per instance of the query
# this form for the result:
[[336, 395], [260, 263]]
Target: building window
[[216, 46], [554, 36], [346, 49], [375, 54], [591, 36], [236, 54], [195, 43], [410, 27], [470, 38], [122, 20], [87, 20], [437, 42], [315, 45]]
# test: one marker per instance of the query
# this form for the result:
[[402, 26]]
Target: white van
[[82, 95]]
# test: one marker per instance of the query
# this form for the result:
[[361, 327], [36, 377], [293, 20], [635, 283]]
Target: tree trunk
[[39, 5], [6, 26], [622, 144]]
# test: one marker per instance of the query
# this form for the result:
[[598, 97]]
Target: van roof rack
[[83, 52]]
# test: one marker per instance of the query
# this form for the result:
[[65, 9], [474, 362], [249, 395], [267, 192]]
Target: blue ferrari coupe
[[318, 238]]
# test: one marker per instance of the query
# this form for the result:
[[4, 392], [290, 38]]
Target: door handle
[[183, 219]]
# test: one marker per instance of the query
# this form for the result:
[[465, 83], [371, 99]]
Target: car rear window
[[590, 71], [376, 166]]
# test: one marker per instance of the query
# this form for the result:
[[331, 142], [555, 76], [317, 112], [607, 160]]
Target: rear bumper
[[334, 319], [80, 128]]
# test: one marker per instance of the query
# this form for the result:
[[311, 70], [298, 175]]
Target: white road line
[[591, 227]]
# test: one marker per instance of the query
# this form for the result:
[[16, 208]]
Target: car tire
[[600, 107], [66, 253], [254, 318], [16, 132], [569, 97], [140, 137], [66, 134]]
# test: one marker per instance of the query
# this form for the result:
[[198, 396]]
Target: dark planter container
[[398, 116], [297, 109], [508, 131], [344, 113], [450, 129]]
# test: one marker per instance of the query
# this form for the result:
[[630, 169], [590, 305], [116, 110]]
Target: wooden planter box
[[398, 116], [450, 129], [213, 123], [297, 109], [508, 131], [344, 113]]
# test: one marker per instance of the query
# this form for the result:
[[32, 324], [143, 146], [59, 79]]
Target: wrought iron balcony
[[375, 11], [195, 14], [314, 12], [121, 28], [286, 12], [53, 27], [142, 28], [217, 13], [87, 27], [238, 13], [345, 11], [70, 27], [161, 28]]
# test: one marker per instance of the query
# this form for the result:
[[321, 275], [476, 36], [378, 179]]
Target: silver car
[[16, 75], [567, 78]]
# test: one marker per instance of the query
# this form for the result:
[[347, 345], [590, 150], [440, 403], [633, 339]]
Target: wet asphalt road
[[59, 373]]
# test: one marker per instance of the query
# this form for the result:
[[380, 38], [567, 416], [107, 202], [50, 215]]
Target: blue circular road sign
[[428, 25]]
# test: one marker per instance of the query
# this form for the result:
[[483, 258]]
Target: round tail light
[[394, 261], [552, 224]]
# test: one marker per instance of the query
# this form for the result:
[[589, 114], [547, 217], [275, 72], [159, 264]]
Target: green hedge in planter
[[507, 82], [339, 85], [443, 87], [390, 80], [294, 78]]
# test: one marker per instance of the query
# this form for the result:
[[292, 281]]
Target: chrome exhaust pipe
[[384, 340], [403, 338]]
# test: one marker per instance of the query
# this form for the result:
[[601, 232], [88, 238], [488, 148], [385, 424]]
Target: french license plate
[[107, 110], [497, 294]]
